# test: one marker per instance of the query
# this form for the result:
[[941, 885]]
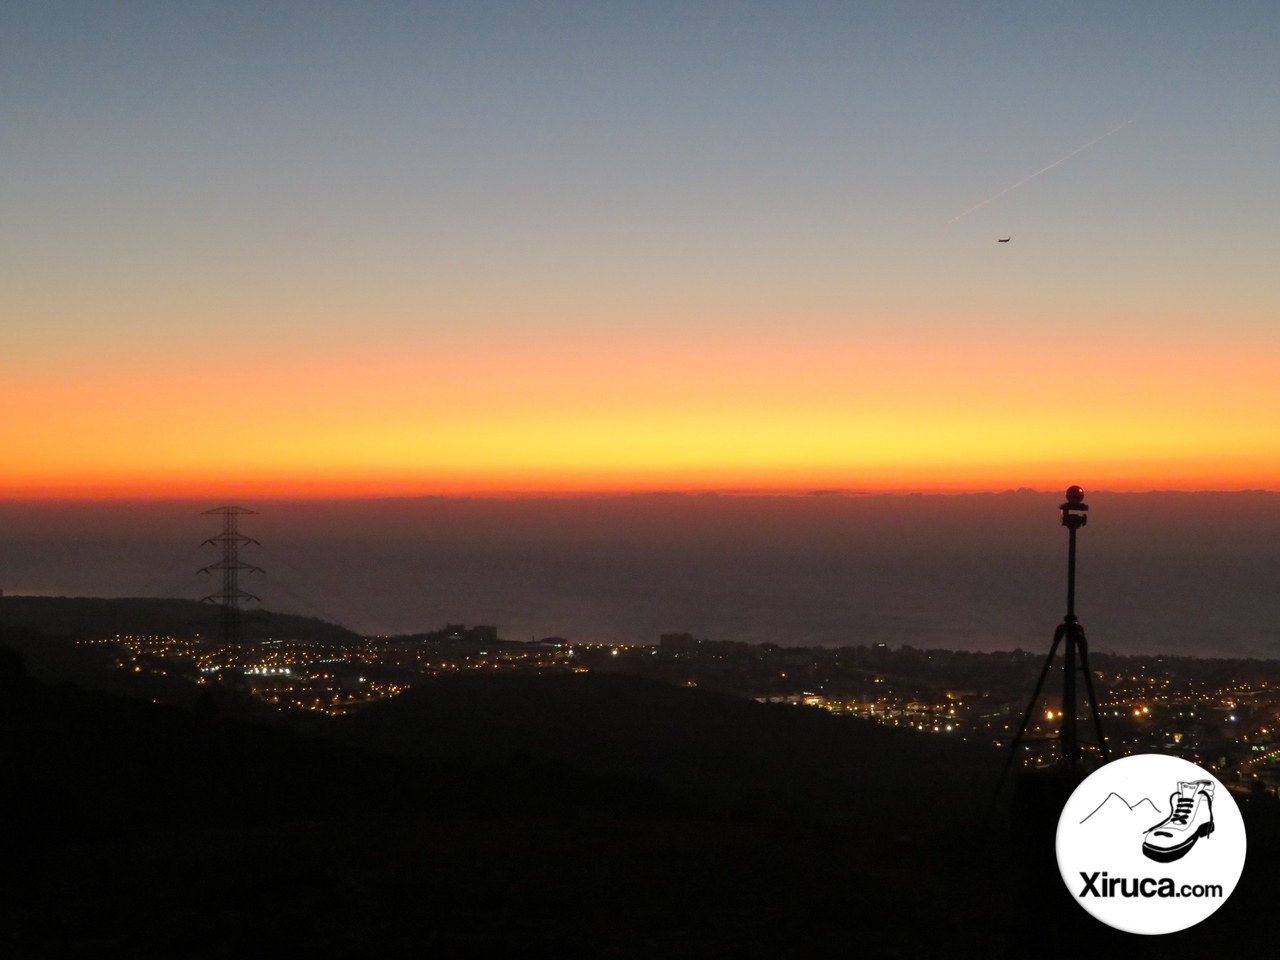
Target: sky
[[320, 249]]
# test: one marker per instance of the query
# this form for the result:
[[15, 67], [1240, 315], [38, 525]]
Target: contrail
[[1037, 173]]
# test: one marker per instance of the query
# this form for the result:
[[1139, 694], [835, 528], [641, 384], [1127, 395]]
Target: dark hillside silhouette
[[84, 764], [712, 748], [499, 816]]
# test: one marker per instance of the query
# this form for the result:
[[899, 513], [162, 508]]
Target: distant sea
[[1158, 572]]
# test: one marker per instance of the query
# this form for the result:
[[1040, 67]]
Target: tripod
[[1039, 797], [1075, 657]]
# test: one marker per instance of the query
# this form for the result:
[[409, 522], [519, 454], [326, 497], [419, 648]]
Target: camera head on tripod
[[1074, 511]]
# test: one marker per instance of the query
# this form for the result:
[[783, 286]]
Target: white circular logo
[[1151, 844]]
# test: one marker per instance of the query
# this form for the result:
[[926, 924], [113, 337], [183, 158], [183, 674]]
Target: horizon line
[[632, 643], [589, 493]]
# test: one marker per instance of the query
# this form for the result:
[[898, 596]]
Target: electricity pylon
[[230, 619]]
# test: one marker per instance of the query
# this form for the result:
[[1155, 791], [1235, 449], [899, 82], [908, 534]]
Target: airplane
[[1005, 240]]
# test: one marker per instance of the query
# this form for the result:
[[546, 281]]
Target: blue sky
[[400, 176]]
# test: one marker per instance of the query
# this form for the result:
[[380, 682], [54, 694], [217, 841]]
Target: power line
[[325, 589]]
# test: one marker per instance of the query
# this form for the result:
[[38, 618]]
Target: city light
[[1147, 707]]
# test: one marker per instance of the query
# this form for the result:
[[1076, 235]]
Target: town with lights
[[1222, 714]]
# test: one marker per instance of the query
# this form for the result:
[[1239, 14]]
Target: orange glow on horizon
[[755, 415]]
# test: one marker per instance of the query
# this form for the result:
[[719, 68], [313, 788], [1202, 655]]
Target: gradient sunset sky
[[380, 248]]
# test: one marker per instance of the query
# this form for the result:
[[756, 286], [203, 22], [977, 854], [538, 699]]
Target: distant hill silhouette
[[46, 631], [93, 618]]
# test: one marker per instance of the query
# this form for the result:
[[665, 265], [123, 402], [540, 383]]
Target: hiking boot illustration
[[1191, 818]]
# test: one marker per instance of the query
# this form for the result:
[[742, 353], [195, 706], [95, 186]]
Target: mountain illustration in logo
[[1189, 819], [1117, 810]]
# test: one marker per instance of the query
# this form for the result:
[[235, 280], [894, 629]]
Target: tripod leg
[[1035, 694], [1026, 718], [1083, 645]]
